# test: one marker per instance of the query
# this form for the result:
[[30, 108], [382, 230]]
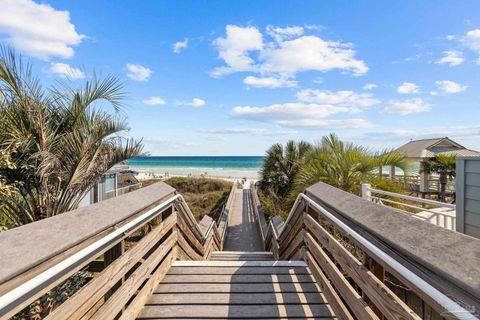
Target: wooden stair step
[[236, 298], [238, 270], [211, 263], [236, 287], [317, 311], [241, 289], [241, 255], [236, 278]]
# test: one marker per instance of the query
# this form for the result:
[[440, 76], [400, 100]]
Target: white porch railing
[[442, 214], [123, 190]]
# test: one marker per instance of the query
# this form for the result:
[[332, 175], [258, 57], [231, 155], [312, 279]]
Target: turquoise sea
[[212, 166]]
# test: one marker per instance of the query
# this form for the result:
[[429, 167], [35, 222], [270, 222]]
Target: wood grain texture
[[335, 301], [317, 311], [83, 300], [382, 297], [119, 299], [236, 298], [355, 302]]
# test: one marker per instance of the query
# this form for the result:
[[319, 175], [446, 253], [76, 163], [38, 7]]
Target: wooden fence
[[371, 261], [110, 241]]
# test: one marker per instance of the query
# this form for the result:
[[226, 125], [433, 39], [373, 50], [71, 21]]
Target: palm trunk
[[443, 186]]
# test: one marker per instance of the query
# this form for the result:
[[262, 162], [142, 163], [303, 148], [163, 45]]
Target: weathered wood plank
[[358, 306], [291, 228], [235, 298], [210, 263], [118, 300], [294, 246], [204, 224], [181, 255], [236, 278], [194, 255], [188, 235], [138, 303], [236, 287], [332, 296], [85, 298], [190, 222], [237, 270], [318, 311], [388, 303]]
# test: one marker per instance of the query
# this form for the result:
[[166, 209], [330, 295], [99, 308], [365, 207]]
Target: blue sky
[[233, 77]]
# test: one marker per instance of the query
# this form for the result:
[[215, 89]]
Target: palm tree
[[64, 139], [445, 166], [281, 165], [344, 165]]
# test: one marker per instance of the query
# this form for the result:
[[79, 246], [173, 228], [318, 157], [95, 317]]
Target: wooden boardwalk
[[242, 232], [241, 282], [237, 290]]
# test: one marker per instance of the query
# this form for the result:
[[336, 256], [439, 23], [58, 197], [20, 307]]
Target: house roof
[[428, 148]]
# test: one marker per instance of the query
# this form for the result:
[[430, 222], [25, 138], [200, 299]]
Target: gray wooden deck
[[237, 290], [242, 232]]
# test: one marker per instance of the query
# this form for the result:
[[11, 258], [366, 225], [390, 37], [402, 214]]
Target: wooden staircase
[[237, 289], [241, 256]]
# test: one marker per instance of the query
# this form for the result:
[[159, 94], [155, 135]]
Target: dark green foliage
[[281, 165], [445, 166], [61, 140], [204, 196]]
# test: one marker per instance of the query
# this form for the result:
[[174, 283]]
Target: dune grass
[[204, 196]]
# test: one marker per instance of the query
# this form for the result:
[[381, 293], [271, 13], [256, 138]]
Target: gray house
[[425, 149], [111, 184], [468, 195]]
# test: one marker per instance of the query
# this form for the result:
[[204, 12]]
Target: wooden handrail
[[128, 277], [361, 280]]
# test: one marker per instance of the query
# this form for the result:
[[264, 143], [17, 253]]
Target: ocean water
[[211, 166]]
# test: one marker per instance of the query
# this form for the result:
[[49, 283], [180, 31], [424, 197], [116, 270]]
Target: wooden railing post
[[366, 193], [168, 212], [379, 272], [108, 258]]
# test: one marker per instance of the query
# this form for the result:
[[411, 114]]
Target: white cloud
[[408, 88], [154, 101], [312, 110], [428, 132], [310, 53], [448, 86], [326, 123], [345, 98], [38, 29], [290, 52], [369, 86], [452, 58], [280, 112], [299, 115], [138, 72], [180, 45], [472, 40], [234, 49], [269, 82], [280, 34], [404, 107], [66, 71], [250, 131], [196, 102]]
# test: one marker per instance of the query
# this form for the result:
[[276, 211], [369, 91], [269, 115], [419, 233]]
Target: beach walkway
[[242, 232]]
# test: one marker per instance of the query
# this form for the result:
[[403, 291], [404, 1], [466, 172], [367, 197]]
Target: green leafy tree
[[445, 166], [7, 190], [65, 139], [281, 166], [344, 165]]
